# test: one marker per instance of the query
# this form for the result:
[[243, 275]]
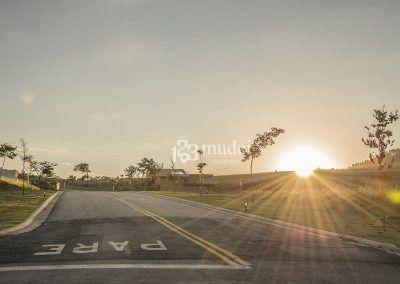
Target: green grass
[[333, 207], [15, 208]]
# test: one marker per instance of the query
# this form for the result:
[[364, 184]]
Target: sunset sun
[[304, 161]]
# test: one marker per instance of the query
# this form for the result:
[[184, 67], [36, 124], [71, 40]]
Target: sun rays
[[304, 160]]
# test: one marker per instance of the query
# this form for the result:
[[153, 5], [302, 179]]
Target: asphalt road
[[135, 237]]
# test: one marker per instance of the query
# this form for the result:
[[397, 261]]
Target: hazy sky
[[109, 82]]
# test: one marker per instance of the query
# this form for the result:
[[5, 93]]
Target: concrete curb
[[33, 220], [390, 248]]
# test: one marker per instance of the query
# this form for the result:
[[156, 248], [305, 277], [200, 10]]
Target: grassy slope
[[15, 208], [18, 182], [321, 202]]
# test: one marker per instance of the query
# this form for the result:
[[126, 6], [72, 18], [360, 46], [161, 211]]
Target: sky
[[109, 82]]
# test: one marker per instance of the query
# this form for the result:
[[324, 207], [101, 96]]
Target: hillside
[[368, 165]]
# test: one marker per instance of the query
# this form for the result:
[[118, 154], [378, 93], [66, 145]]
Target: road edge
[[387, 247], [38, 217]]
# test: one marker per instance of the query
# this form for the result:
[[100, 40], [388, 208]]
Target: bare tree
[[7, 151], [172, 163], [200, 168], [379, 137], [25, 158], [33, 167]]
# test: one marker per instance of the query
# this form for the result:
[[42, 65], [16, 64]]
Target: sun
[[304, 160]]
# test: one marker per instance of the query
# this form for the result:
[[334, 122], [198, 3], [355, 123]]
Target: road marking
[[224, 255], [80, 248], [122, 266], [157, 246], [54, 249], [119, 246], [86, 249]]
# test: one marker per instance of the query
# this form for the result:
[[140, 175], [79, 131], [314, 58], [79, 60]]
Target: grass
[[320, 202], [15, 208]]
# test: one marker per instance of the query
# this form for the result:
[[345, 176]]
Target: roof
[[174, 172]]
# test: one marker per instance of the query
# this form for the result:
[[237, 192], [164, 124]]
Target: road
[[123, 237]]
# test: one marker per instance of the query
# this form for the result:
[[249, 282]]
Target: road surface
[[105, 237]]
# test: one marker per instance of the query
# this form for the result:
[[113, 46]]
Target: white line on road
[[122, 266]]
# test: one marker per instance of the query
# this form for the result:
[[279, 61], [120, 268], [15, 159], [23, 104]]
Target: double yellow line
[[224, 255]]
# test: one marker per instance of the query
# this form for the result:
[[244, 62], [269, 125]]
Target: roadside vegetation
[[23, 194], [16, 207]]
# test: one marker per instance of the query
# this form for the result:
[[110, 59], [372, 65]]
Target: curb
[[389, 248], [34, 220]]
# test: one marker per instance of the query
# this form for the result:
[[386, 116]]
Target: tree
[[7, 151], [33, 166], [47, 169], [25, 158], [84, 169], [379, 138], [200, 168], [149, 168], [259, 144], [71, 178], [131, 171]]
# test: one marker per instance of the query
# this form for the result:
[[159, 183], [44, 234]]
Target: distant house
[[9, 173], [174, 178], [171, 172], [194, 180], [166, 177]]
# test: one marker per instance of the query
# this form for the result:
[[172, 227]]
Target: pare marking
[[54, 249]]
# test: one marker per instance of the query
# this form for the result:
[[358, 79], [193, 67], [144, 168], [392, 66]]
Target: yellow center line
[[224, 255]]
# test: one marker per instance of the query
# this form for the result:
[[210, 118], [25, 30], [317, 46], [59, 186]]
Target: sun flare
[[304, 161]]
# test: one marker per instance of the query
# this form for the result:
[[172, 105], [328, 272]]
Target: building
[[9, 173], [167, 177], [170, 179]]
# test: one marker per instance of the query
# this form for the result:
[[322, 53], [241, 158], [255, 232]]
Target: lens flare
[[304, 161]]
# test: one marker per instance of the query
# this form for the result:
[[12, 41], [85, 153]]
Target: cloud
[[101, 117], [27, 98], [55, 151], [124, 53]]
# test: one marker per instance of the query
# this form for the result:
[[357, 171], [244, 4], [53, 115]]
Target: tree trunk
[[251, 167], [251, 178], [251, 172], [23, 179], [2, 166], [29, 179]]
